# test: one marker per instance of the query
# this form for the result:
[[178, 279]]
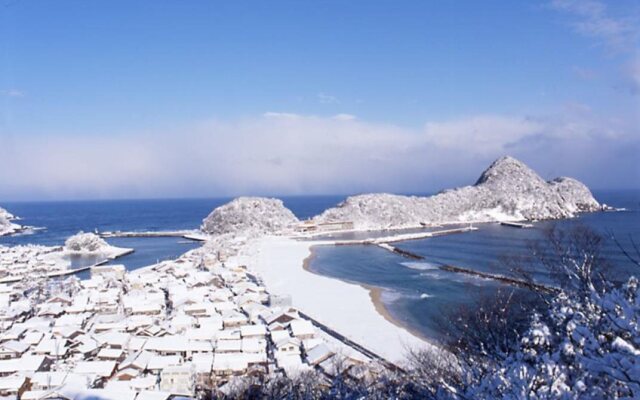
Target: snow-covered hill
[[507, 191], [7, 227], [250, 215], [85, 243]]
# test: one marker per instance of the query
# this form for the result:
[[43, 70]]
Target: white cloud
[[592, 19], [344, 117], [324, 98], [283, 153], [12, 93], [586, 74], [484, 134]]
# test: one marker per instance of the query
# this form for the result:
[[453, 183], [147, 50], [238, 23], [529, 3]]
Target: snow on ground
[[345, 307]]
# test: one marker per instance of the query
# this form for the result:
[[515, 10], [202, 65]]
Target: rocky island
[[506, 191], [7, 226]]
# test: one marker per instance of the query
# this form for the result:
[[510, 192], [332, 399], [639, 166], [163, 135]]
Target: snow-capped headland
[[7, 226], [507, 191], [250, 215], [90, 244]]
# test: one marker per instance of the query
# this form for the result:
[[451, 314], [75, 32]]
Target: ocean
[[61, 219], [418, 295]]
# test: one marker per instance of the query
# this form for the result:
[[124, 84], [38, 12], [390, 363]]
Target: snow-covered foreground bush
[[85, 243], [585, 349]]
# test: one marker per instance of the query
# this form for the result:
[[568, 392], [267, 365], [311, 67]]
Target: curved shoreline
[[345, 307], [375, 295]]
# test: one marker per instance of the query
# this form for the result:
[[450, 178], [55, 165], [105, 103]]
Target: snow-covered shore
[[345, 307]]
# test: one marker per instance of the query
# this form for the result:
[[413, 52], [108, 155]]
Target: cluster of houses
[[30, 260], [176, 329]]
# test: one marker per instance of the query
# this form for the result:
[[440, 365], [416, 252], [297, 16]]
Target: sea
[[417, 294]]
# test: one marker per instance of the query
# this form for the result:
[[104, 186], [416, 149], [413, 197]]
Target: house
[[254, 345], [157, 363], [291, 364], [12, 349], [288, 345], [114, 340], [145, 309], [302, 329], [54, 347], [229, 346], [52, 379], [13, 386], [319, 354], [108, 271], [110, 354], [103, 369], [253, 331], [137, 361], [178, 379], [24, 364], [225, 364], [282, 317], [203, 363]]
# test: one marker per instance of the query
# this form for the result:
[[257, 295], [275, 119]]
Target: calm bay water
[[421, 296]]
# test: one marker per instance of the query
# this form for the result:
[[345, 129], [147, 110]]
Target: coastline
[[283, 263], [375, 295]]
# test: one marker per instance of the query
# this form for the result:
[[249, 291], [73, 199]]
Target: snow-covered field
[[345, 307]]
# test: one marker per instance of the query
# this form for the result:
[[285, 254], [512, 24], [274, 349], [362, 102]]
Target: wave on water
[[425, 295], [389, 296], [421, 266]]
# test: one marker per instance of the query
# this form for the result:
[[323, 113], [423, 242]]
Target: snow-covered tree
[[85, 242]]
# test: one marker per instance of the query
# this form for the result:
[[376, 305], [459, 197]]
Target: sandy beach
[[347, 308]]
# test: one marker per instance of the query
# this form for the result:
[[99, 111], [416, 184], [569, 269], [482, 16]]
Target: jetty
[[516, 224], [401, 252], [70, 271], [66, 272], [405, 237], [350, 343], [500, 278], [384, 242], [186, 234]]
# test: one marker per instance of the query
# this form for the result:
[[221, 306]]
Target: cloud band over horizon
[[286, 153]]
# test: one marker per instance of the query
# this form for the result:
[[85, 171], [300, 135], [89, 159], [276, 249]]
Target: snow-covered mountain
[[7, 227], [250, 215], [507, 191]]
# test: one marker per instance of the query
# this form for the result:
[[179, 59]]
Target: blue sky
[[199, 98]]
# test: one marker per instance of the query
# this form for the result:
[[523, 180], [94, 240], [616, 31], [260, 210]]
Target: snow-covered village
[[178, 328]]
